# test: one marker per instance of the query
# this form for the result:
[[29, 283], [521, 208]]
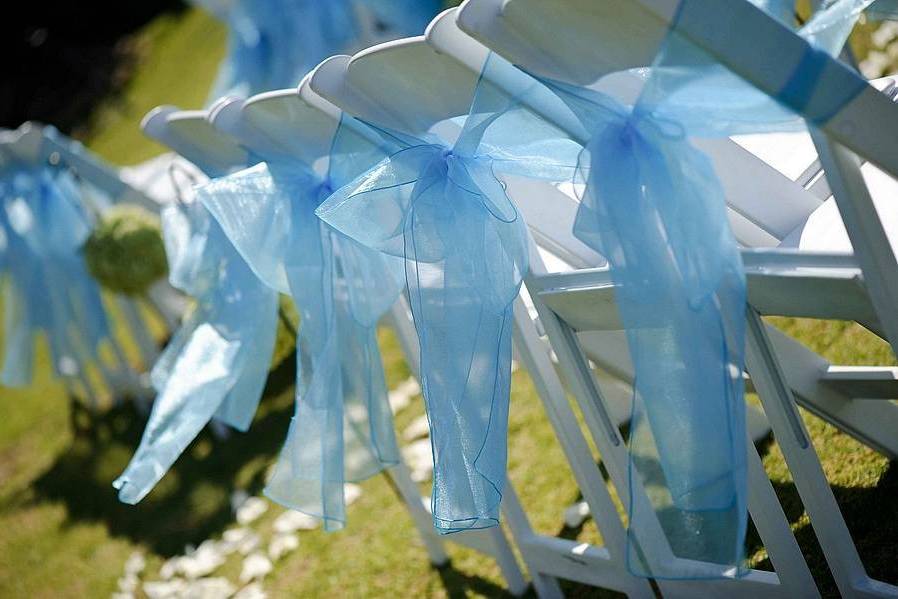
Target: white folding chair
[[505, 27], [298, 123], [343, 80]]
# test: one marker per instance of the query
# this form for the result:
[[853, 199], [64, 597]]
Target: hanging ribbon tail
[[200, 379], [44, 224], [309, 474], [342, 429], [464, 246], [366, 289], [18, 350], [217, 363]]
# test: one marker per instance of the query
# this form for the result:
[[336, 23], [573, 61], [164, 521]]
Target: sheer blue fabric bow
[[343, 428], [652, 205], [273, 43], [441, 208], [217, 363], [43, 224]]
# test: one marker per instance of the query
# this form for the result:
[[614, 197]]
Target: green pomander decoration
[[125, 252], [288, 324]]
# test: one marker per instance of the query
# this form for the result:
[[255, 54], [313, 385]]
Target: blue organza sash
[[342, 429], [441, 208], [217, 362], [272, 44], [652, 205], [43, 224]]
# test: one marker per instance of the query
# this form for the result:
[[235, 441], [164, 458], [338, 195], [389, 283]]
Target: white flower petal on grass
[[128, 583], [251, 510], [209, 588], [351, 493], [203, 560], [417, 429], [136, 564], [232, 539], [419, 457], [170, 568], [169, 589], [282, 544], [291, 521], [251, 591], [238, 498], [576, 514], [255, 566], [402, 395]]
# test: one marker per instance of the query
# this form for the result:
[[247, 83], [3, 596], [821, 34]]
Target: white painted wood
[[798, 450]]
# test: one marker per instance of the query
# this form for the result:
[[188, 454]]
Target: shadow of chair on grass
[[193, 501]]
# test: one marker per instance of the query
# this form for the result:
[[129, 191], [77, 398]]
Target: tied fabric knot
[[342, 429], [442, 209], [217, 362], [43, 224]]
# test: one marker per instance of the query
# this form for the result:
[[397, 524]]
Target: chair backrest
[[189, 133], [867, 125]]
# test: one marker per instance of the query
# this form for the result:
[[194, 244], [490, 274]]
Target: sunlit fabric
[[217, 362], [440, 207], [272, 44], [44, 221], [343, 428], [652, 205]]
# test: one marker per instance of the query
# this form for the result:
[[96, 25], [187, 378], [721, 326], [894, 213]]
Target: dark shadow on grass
[[192, 502], [871, 514], [459, 585]]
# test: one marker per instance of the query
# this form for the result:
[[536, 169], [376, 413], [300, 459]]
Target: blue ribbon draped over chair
[[343, 427], [217, 362], [272, 44], [441, 208], [43, 224], [653, 206]]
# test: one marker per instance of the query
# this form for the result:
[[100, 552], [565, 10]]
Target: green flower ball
[[125, 252], [285, 341]]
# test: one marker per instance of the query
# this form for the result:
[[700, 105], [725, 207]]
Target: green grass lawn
[[64, 534]]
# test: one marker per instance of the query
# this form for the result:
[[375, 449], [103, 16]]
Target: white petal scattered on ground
[[209, 588], [351, 493], [291, 521], [170, 568], [282, 544], [232, 539], [419, 458], [251, 591], [402, 395], [576, 514], [204, 560], [128, 583], [135, 564], [251, 510], [169, 589], [418, 429], [238, 498], [249, 544], [255, 566]]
